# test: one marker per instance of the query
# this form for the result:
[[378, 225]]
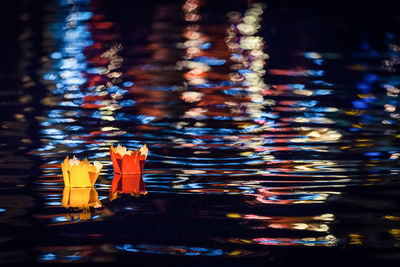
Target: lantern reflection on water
[[82, 198], [127, 184]]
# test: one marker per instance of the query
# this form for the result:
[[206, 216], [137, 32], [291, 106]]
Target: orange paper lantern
[[128, 161]]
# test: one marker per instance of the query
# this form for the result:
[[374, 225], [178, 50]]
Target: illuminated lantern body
[[128, 161], [82, 198], [127, 184], [78, 173]]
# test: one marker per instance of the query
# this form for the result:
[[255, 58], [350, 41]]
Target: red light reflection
[[127, 184]]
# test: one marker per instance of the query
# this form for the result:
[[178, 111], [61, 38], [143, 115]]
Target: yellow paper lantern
[[78, 173]]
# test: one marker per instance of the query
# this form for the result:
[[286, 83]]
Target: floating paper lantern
[[127, 184], [81, 198], [128, 161], [78, 173]]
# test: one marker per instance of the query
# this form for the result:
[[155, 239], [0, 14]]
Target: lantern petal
[[115, 160], [65, 173]]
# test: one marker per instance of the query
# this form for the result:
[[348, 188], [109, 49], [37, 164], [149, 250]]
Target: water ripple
[[252, 145]]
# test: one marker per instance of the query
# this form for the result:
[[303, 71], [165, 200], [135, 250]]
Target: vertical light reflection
[[66, 37], [196, 74], [68, 63], [83, 76], [375, 112], [249, 60], [86, 88], [248, 64], [267, 114], [204, 54]]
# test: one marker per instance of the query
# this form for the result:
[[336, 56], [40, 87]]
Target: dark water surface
[[273, 131]]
